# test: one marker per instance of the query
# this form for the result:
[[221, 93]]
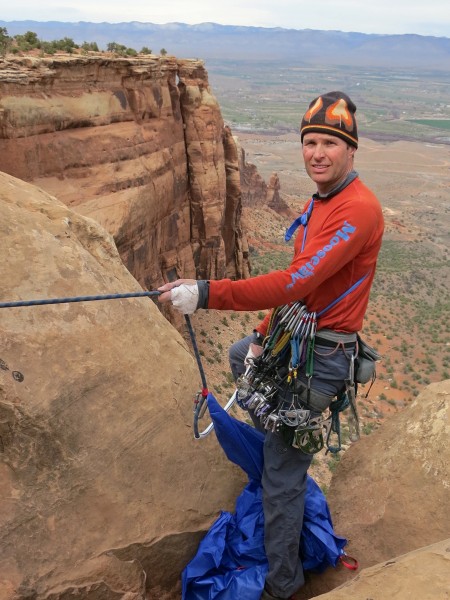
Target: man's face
[[328, 160]]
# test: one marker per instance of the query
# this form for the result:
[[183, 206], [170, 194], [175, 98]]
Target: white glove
[[185, 298], [253, 352]]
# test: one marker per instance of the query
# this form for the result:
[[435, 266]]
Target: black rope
[[200, 405], [20, 303], [196, 352]]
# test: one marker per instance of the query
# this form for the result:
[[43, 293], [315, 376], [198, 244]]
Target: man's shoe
[[266, 595]]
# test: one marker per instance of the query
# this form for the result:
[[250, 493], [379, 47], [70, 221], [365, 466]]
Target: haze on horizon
[[383, 17]]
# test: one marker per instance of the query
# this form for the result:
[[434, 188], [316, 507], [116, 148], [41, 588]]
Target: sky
[[423, 17]]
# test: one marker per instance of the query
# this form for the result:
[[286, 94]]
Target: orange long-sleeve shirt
[[343, 240]]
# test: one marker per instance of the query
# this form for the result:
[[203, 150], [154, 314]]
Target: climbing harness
[[270, 387]]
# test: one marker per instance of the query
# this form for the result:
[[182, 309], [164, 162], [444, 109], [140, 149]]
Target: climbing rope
[[76, 299], [200, 400]]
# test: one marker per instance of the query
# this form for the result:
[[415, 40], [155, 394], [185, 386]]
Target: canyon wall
[[139, 145]]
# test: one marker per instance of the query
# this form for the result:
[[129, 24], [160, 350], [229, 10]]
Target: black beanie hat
[[332, 113]]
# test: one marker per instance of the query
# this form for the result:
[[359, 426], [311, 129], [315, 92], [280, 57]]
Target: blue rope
[[76, 299]]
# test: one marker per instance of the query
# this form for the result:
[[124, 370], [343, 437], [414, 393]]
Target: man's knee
[[236, 356]]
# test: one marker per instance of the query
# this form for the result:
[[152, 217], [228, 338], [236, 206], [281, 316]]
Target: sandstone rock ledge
[[423, 574], [105, 493]]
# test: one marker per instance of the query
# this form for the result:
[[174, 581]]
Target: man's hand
[[254, 350], [183, 293]]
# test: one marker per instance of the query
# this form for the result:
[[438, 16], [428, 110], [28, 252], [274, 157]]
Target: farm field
[[392, 104]]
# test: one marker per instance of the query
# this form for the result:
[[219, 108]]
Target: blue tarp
[[230, 562]]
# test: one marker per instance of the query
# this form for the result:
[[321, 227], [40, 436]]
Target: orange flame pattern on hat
[[313, 110], [339, 112]]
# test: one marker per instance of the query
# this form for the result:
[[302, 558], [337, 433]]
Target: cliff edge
[[138, 144]]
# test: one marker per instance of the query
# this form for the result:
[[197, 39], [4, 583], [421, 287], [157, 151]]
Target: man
[[335, 254]]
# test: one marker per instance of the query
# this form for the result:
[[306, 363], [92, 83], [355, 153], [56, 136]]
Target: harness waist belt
[[330, 344], [330, 338]]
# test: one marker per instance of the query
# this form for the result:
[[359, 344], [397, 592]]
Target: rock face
[[137, 144], [390, 493], [253, 186], [256, 192], [232, 229], [423, 574], [105, 494], [273, 198]]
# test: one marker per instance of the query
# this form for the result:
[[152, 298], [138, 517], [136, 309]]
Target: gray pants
[[285, 470]]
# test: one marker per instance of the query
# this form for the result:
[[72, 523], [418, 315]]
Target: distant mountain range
[[213, 41]]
